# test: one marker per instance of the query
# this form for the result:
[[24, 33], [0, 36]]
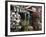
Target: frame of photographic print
[[6, 19]]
